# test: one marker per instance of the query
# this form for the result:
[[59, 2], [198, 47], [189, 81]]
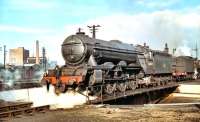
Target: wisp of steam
[[40, 97]]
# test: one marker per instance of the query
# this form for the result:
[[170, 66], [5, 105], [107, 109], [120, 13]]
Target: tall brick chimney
[[37, 58]]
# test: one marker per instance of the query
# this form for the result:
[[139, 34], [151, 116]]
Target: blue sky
[[132, 21]]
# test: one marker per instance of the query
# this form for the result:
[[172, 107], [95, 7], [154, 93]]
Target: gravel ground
[[117, 114]]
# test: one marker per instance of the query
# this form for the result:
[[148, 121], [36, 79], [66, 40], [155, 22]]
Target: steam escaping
[[183, 51], [69, 99], [8, 77], [40, 97], [12, 77]]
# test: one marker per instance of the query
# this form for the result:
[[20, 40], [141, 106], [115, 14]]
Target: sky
[[155, 22]]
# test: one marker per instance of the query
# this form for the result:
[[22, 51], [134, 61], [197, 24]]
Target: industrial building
[[18, 56]]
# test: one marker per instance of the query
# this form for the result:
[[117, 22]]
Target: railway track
[[105, 98], [13, 109]]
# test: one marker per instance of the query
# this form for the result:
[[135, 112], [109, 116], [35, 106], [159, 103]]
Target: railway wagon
[[183, 67]]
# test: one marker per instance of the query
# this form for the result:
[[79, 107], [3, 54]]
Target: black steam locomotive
[[109, 66]]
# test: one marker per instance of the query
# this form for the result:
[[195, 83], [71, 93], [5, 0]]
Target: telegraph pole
[[44, 62], [93, 30], [196, 50], [4, 56]]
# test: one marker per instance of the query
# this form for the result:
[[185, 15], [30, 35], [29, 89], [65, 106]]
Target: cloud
[[12, 28], [191, 20], [156, 28]]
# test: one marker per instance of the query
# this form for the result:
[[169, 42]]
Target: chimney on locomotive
[[166, 48], [145, 44], [80, 32]]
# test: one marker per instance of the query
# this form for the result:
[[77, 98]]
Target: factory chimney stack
[[37, 53]]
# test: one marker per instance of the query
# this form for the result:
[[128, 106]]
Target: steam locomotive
[[110, 66]]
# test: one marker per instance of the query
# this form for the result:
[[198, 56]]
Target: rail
[[12, 109]]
